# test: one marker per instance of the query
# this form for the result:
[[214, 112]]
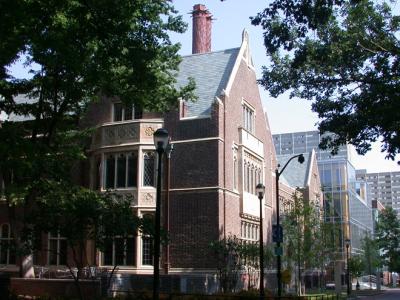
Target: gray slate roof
[[295, 174], [211, 73], [21, 99]]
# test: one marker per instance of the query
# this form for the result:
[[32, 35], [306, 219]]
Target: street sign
[[277, 235], [278, 251]]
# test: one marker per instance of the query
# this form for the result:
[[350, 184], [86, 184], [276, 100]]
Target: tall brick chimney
[[202, 19]]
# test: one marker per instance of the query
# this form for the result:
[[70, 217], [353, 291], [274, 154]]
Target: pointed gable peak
[[246, 54]]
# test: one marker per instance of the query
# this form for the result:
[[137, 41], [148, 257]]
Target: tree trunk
[[26, 269]]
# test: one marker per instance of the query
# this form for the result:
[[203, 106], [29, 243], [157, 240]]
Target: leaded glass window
[[149, 168]]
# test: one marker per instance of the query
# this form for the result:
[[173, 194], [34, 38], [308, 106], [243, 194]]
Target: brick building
[[222, 148]]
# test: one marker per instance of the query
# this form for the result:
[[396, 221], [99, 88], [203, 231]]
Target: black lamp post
[[260, 189], [160, 142], [347, 242], [169, 150], [300, 159]]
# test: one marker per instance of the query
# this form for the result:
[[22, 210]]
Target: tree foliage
[[344, 57], [233, 256], [78, 49], [309, 241], [301, 224], [75, 52], [356, 266], [80, 216], [388, 238], [371, 256]]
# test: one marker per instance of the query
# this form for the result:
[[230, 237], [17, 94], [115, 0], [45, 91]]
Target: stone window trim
[[252, 173], [249, 231]]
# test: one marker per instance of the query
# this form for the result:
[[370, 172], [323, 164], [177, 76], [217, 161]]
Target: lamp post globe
[[161, 139]]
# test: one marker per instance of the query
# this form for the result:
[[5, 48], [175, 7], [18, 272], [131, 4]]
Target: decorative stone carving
[[149, 131], [147, 199], [117, 134]]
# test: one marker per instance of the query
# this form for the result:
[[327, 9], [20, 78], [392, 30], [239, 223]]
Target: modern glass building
[[344, 200]]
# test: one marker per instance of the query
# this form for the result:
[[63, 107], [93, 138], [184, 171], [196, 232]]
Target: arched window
[[248, 178], [235, 173], [7, 249]]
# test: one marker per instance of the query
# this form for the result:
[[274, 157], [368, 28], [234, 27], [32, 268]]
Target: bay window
[[121, 170]]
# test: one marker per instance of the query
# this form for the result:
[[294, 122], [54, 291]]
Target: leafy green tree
[[228, 262], [75, 52], [234, 255], [371, 257], [302, 228], [81, 216], [388, 238], [343, 55], [356, 266]]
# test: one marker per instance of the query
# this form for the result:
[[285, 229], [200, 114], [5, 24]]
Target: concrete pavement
[[389, 294]]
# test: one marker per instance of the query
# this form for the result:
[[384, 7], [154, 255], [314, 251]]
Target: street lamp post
[[300, 159], [169, 150], [347, 242], [260, 189], [161, 143]]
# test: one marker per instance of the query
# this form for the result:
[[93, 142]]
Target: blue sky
[[285, 115]]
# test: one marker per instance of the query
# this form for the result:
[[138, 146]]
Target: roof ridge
[[212, 52]]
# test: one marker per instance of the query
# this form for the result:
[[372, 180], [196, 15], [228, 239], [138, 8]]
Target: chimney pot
[[202, 19]]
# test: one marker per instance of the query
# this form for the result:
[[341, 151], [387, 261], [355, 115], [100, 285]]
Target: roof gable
[[296, 174]]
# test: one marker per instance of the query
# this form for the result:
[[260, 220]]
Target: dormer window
[[125, 113]]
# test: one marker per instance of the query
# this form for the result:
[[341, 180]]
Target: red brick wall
[[54, 287], [194, 224], [187, 129], [245, 88], [195, 164]]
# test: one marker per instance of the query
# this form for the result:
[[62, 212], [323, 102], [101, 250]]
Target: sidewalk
[[365, 293]]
